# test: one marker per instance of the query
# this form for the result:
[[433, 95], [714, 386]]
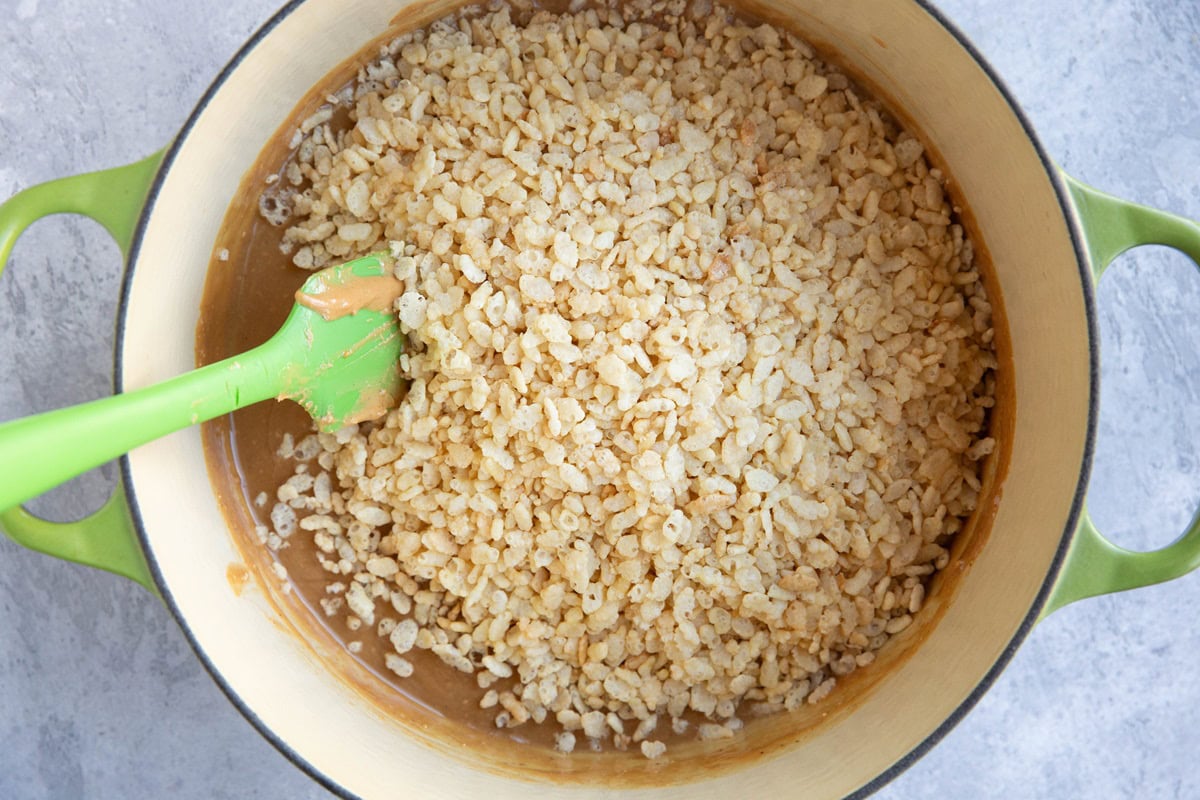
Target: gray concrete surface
[[101, 697]]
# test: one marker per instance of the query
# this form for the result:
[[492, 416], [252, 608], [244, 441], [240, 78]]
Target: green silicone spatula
[[338, 355]]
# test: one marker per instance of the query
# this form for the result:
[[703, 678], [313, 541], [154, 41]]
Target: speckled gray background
[[100, 695]]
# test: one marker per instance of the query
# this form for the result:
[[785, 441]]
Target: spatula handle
[[39, 452]]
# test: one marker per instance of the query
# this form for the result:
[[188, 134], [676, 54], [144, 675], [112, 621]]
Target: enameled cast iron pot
[[1049, 238]]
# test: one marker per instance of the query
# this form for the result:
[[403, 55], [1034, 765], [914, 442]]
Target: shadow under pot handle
[[114, 198], [1094, 565]]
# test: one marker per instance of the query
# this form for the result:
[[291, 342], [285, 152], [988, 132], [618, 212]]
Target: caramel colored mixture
[[703, 363]]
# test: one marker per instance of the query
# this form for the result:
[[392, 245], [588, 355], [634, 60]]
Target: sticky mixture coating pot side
[[701, 371]]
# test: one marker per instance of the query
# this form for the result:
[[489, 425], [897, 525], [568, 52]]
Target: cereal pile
[[701, 367]]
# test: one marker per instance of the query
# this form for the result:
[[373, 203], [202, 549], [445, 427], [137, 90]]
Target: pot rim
[[1082, 260]]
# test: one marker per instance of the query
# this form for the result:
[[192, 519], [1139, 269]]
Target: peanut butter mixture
[[701, 371]]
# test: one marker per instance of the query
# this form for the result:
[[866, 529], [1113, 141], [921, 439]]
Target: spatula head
[[347, 343]]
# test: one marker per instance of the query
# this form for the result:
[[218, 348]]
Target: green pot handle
[[1093, 564], [114, 198]]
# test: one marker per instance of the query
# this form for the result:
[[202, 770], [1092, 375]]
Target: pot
[[1049, 237]]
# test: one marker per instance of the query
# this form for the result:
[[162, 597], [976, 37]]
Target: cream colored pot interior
[[915, 64]]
